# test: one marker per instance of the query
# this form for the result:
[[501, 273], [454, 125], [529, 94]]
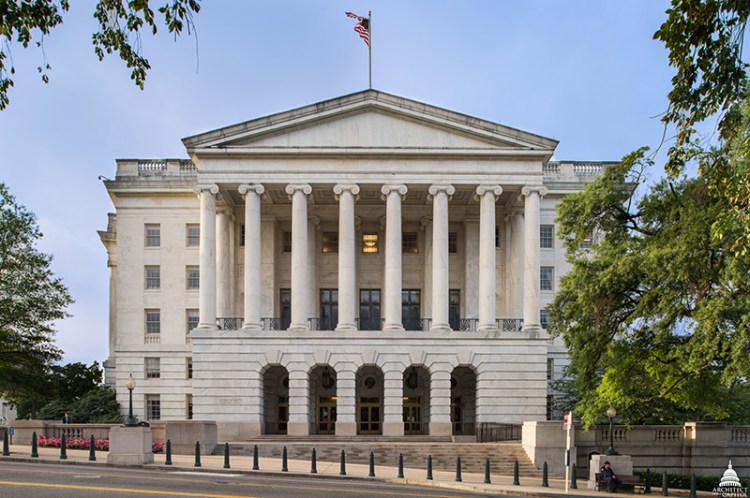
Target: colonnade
[[347, 195]]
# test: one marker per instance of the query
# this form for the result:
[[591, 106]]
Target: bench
[[633, 483]]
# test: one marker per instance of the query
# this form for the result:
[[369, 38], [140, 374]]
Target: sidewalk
[[501, 485]]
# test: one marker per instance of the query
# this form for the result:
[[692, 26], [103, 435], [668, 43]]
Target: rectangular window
[[153, 407], [497, 236], [153, 235], [192, 318], [330, 242], [369, 309], [410, 309], [329, 309], [153, 321], [550, 369], [409, 243], [242, 235], [544, 319], [452, 242], [285, 300], [193, 277], [193, 235], [550, 401], [547, 236], [153, 368], [369, 243], [454, 309], [189, 368], [546, 278], [153, 277], [189, 406], [286, 242]]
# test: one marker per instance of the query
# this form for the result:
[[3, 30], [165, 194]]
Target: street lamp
[[611, 413], [130, 384]]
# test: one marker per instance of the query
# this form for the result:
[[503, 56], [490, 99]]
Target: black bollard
[[458, 469], [197, 454], [693, 487], [429, 467], [372, 465], [574, 477], [342, 470], [284, 467], [516, 480], [400, 466], [63, 449], [168, 461], [314, 464], [664, 484], [92, 449], [255, 458], [545, 482], [487, 471], [34, 450], [226, 456], [647, 484], [6, 447]]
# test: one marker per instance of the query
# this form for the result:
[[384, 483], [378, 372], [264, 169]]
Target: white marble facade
[[365, 265]]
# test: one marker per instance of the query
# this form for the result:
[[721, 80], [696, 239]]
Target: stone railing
[[417, 324], [573, 170], [156, 168]]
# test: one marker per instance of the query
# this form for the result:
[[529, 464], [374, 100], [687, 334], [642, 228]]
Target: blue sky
[[586, 73]]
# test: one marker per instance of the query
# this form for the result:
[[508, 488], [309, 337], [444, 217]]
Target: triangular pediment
[[369, 120]]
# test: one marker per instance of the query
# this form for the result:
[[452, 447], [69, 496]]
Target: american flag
[[362, 27]]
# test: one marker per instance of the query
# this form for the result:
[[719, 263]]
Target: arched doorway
[[370, 400], [323, 399], [463, 400], [416, 400], [275, 400]]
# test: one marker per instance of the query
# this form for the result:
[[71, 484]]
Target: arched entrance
[[323, 399], [275, 400], [370, 400], [463, 400], [416, 398]]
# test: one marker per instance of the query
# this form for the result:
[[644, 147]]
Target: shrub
[[84, 444]]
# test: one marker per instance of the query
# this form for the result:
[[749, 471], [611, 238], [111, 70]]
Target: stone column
[[470, 294], [299, 399], [531, 261], [313, 225], [346, 402], [346, 195], [426, 224], [440, 400], [440, 196], [207, 291], [222, 262], [393, 195], [252, 316], [298, 193], [393, 402], [516, 260], [487, 265]]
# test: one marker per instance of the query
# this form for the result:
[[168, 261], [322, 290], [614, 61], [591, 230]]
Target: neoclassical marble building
[[364, 265]]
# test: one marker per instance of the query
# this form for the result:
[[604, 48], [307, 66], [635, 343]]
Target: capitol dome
[[730, 479]]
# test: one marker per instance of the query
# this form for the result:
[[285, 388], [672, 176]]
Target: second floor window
[[286, 242], [193, 277], [153, 277], [192, 317], [409, 243], [330, 242], [547, 236], [153, 235], [193, 235], [452, 242], [153, 368], [153, 321], [546, 278]]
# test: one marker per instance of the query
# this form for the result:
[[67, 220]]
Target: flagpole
[[369, 47]]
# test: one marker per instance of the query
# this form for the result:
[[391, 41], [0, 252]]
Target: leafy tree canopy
[[657, 313], [120, 25], [31, 299]]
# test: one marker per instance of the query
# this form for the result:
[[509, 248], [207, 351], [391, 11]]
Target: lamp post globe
[[611, 413], [130, 385]]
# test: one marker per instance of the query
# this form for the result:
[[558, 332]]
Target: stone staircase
[[415, 450]]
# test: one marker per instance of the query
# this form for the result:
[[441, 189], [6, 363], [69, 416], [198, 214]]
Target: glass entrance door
[[326, 415], [369, 309], [283, 414], [412, 415], [410, 316], [369, 415]]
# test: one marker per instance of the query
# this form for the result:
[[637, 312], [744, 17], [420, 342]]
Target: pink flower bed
[[83, 444]]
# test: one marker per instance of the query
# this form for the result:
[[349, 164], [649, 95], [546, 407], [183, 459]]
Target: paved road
[[29, 480]]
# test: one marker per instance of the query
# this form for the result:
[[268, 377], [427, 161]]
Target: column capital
[[206, 187], [246, 188], [394, 187], [225, 210], [424, 222], [528, 189], [437, 188], [292, 188], [340, 188], [496, 190], [314, 221]]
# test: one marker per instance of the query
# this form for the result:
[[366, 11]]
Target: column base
[[207, 326], [346, 327], [393, 327], [487, 328], [393, 428], [252, 326], [346, 428], [441, 429], [532, 329], [298, 328], [298, 428], [440, 327]]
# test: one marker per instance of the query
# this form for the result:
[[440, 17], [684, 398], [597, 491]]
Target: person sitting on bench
[[609, 475]]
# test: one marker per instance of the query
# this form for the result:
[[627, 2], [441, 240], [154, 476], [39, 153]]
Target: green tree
[[120, 26], [31, 299], [656, 314]]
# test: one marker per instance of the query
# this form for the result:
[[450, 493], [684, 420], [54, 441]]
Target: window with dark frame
[[286, 242], [452, 242], [330, 242], [242, 235], [409, 243], [189, 368]]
